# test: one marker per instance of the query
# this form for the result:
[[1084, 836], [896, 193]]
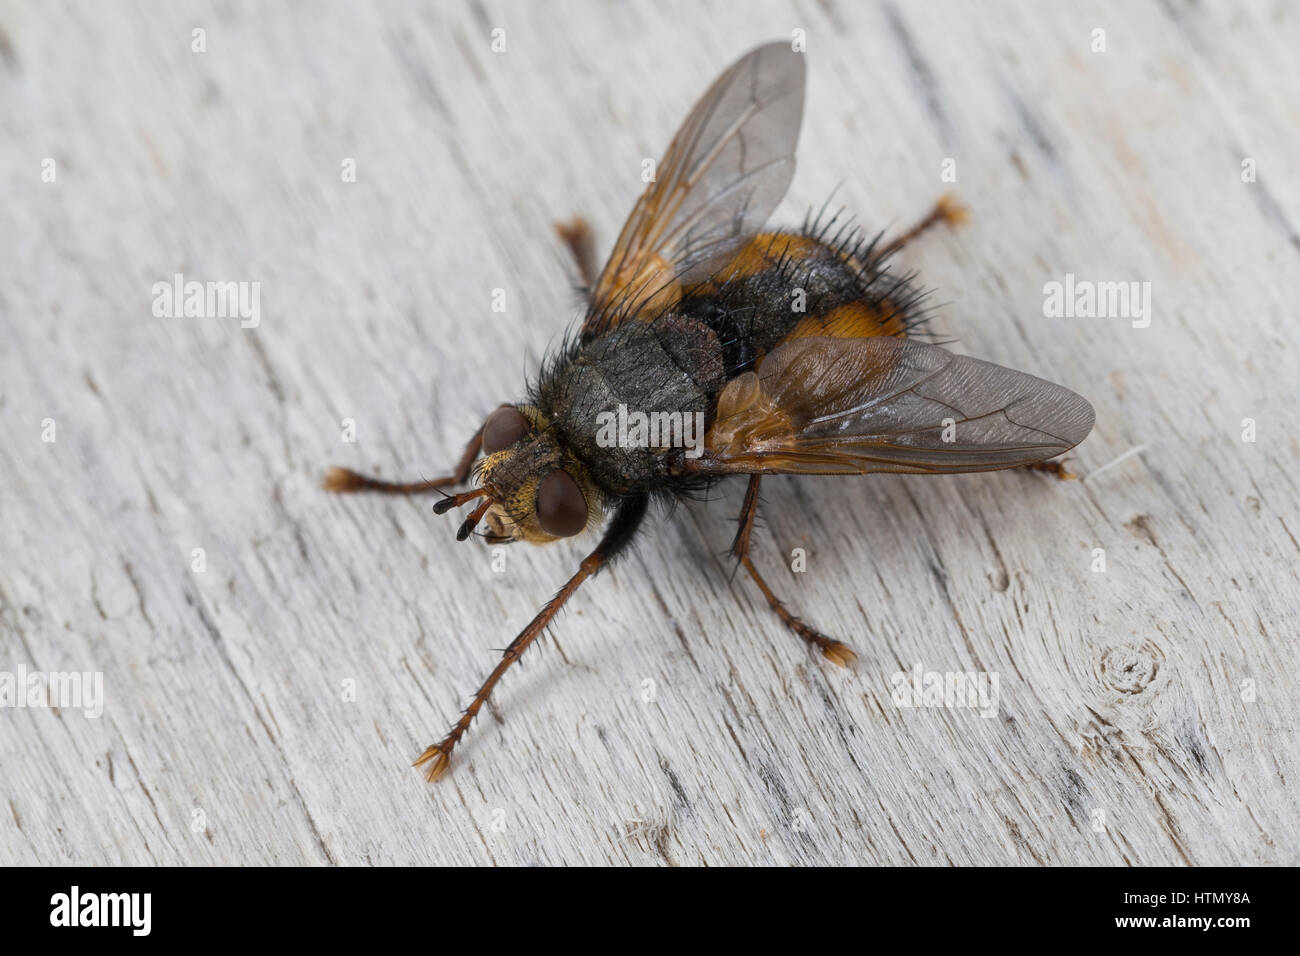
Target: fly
[[711, 348]]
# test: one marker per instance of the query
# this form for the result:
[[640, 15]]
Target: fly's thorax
[[663, 372], [535, 472]]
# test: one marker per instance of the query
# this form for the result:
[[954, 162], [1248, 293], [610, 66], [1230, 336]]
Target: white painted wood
[[1147, 714]]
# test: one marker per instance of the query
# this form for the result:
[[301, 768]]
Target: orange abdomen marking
[[852, 317], [854, 320]]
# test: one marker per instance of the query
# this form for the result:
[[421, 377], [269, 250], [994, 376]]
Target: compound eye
[[503, 428], [561, 508]]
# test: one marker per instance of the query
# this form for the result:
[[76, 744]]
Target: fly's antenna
[[474, 517], [465, 497], [455, 501]]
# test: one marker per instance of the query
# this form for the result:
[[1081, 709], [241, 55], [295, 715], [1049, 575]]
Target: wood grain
[[266, 709]]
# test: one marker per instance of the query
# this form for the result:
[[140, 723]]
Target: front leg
[[622, 528], [833, 650], [343, 480]]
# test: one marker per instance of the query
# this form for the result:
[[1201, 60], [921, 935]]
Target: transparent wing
[[828, 406], [727, 168]]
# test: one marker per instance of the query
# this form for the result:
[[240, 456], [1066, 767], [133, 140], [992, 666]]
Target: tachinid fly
[[791, 352]]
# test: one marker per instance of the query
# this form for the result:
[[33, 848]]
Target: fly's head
[[532, 489]]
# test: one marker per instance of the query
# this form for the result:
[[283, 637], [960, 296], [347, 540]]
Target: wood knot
[[1130, 668]]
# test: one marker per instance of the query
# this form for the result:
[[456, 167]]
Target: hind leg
[[946, 211], [1056, 468]]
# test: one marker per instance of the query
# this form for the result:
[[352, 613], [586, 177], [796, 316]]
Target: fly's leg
[[343, 480], [1056, 468], [621, 529], [832, 649], [576, 236], [946, 210]]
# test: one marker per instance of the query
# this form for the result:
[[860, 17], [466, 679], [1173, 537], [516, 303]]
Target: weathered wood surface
[[1147, 713]]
